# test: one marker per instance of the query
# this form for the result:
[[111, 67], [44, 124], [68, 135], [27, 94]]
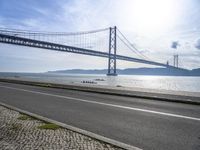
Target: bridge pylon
[[112, 52]]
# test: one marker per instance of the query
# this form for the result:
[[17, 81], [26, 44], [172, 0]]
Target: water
[[174, 83]]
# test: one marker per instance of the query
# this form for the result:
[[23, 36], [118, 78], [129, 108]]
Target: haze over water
[[152, 27], [174, 83]]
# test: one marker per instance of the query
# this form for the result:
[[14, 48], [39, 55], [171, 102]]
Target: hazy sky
[[152, 25]]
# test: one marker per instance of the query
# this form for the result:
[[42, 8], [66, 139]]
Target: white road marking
[[105, 104]]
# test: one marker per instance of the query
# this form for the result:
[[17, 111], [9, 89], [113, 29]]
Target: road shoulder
[[77, 138], [178, 97]]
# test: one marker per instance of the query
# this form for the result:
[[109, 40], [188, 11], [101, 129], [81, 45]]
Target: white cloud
[[86, 14], [197, 44], [80, 15]]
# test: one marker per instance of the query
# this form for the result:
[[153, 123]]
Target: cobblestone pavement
[[24, 134]]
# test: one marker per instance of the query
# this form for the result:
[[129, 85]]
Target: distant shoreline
[[128, 71], [136, 71]]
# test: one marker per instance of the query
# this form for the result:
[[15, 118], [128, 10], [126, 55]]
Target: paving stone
[[16, 134]]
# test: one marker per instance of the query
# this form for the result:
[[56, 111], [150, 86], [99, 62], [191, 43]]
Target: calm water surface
[[174, 83]]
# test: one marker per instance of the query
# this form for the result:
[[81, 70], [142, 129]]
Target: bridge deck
[[58, 47]]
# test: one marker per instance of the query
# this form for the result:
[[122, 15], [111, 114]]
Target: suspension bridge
[[107, 43]]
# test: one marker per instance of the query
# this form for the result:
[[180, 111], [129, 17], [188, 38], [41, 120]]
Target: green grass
[[49, 126], [25, 117], [16, 126]]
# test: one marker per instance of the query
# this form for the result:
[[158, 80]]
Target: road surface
[[147, 124]]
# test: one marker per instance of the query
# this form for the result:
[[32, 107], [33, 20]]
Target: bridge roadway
[[147, 124], [10, 39]]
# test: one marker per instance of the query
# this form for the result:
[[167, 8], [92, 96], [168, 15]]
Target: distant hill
[[136, 71], [195, 72]]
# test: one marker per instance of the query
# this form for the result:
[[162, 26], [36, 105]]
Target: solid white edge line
[[75, 129], [105, 104]]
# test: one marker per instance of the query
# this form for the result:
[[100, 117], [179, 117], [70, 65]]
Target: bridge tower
[[176, 61], [112, 52]]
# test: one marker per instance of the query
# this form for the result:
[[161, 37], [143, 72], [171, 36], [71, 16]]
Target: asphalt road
[[147, 124]]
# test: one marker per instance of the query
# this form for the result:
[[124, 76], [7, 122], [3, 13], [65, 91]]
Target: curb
[[75, 129], [138, 94]]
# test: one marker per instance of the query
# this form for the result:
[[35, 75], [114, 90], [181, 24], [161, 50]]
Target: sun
[[153, 16]]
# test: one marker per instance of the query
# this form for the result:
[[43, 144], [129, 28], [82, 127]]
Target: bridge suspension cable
[[94, 39], [18, 31], [93, 43], [130, 45]]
